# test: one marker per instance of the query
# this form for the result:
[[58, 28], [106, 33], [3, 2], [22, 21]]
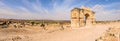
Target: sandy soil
[[88, 33]]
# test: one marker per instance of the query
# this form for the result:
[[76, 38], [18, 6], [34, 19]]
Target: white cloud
[[105, 12], [59, 11], [7, 11]]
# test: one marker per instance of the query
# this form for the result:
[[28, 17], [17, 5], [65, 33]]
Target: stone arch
[[82, 17]]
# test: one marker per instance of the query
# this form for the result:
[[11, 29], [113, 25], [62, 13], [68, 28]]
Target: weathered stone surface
[[82, 16]]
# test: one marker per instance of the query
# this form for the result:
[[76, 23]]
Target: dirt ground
[[87, 33]]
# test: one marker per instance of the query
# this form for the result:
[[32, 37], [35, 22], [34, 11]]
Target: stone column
[[81, 19], [93, 19], [75, 18]]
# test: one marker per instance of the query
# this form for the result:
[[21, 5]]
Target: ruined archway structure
[[82, 17]]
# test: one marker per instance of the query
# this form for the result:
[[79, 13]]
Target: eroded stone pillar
[[93, 19], [75, 17], [81, 19], [74, 23]]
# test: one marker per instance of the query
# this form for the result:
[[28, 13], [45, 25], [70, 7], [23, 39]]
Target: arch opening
[[86, 18]]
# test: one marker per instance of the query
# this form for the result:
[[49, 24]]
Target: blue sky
[[57, 9]]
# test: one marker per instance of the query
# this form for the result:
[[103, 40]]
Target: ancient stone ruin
[[82, 17]]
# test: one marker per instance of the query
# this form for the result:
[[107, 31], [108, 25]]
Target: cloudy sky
[[57, 9]]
